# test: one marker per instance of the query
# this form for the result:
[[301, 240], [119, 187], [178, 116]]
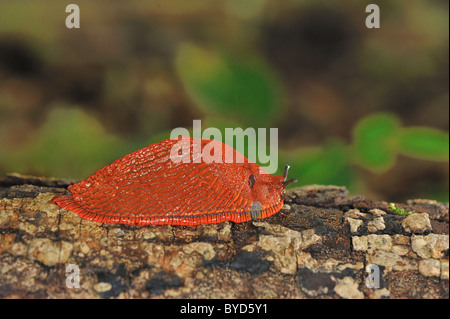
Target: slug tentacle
[[286, 182]]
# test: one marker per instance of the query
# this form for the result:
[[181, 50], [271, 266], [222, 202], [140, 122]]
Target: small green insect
[[399, 211]]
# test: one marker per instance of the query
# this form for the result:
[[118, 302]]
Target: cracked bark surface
[[319, 246]]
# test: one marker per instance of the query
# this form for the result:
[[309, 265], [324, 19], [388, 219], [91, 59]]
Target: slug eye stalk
[[286, 182]]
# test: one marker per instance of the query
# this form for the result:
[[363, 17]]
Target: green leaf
[[375, 139], [423, 142], [245, 90]]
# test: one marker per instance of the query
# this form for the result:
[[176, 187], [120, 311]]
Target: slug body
[[149, 187]]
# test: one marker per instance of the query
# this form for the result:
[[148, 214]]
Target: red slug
[[149, 187]]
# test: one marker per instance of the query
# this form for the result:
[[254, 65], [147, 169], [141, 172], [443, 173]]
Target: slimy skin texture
[[149, 187]]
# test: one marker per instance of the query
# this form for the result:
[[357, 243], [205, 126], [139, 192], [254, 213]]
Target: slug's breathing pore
[[149, 187]]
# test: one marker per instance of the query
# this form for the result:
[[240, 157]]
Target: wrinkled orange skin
[[149, 187]]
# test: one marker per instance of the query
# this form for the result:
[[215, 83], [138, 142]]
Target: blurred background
[[364, 108]]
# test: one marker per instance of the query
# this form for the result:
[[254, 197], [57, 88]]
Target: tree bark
[[325, 244]]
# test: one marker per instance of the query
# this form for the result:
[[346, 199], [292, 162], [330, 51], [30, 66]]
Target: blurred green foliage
[[48, 151], [424, 142], [374, 141], [377, 141], [245, 90], [328, 165], [379, 138], [363, 108], [223, 88]]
